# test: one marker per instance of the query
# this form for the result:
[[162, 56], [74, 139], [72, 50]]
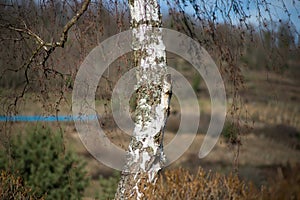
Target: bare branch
[[70, 23], [29, 32], [49, 47], [43, 48], [64, 35]]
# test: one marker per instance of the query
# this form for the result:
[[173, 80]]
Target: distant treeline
[[275, 47]]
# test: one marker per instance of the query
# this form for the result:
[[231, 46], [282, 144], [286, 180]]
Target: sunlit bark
[[145, 152]]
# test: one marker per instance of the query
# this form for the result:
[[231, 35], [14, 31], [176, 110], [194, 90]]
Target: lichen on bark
[[145, 155]]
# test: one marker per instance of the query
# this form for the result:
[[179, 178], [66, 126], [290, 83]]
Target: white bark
[[145, 153]]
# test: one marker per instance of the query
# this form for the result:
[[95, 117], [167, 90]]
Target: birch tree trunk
[[145, 155]]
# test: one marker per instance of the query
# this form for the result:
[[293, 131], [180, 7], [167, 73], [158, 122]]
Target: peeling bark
[[145, 155]]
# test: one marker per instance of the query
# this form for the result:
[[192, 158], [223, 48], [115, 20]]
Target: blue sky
[[276, 10]]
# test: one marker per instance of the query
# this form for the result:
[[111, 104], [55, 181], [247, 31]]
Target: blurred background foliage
[[39, 159]]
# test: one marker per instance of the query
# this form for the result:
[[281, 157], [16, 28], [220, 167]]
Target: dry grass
[[181, 184], [273, 113], [12, 187]]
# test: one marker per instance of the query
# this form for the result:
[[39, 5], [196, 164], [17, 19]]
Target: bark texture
[[145, 155]]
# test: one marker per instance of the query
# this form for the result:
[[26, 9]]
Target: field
[[270, 146]]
